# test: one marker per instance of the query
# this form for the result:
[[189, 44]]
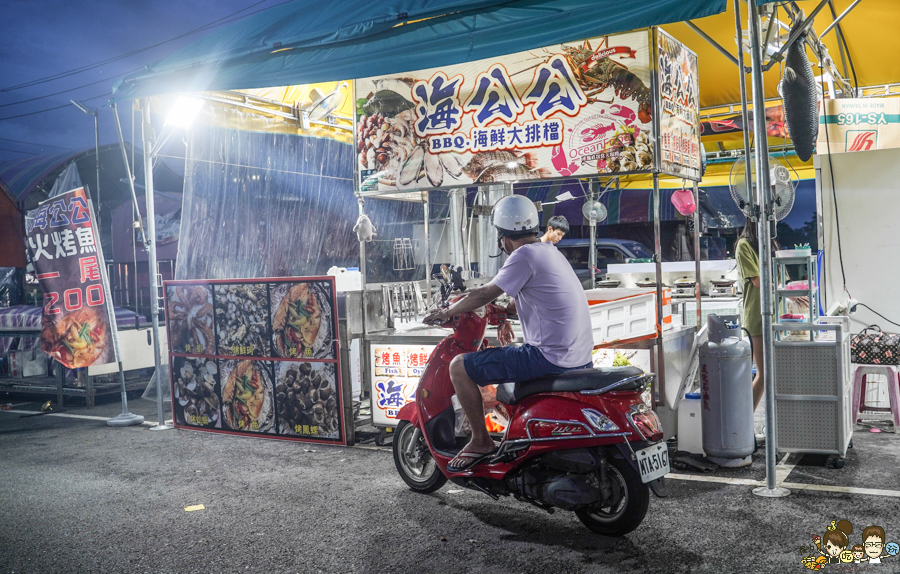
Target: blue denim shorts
[[510, 365]]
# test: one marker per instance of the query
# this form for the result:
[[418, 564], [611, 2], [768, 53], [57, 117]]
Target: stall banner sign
[[575, 109], [776, 127], [256, 356], [859, 125], [395, 375], [77, 325], [679, 112]]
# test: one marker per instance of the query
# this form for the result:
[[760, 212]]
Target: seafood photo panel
[[256, 357], [248, 398], [242, 319], [196, 392], [303, 320], [190, 319], [307, 399], [576, 109]]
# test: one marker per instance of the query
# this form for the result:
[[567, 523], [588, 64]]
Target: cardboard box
[[17, 360], [859, 125], [32, 363]]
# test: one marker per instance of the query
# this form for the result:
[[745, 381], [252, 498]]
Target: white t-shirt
[[550, 302]]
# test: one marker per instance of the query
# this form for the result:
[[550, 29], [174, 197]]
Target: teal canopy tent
[[307, 41]]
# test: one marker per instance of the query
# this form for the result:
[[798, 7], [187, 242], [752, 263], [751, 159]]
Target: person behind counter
[[554, 315], [557, 228], [746, 253]]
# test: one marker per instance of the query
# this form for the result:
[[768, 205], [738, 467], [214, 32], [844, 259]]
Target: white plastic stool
[[859, 391]]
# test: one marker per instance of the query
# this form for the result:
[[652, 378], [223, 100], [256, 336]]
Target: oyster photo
[[195, 392], [242, 314]]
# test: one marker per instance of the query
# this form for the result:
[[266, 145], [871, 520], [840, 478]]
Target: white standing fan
[[594, 209]]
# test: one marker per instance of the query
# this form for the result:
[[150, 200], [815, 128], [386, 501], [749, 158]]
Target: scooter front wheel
[[414, 461], [627, 505]]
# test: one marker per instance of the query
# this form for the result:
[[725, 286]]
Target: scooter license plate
[[653, 461]]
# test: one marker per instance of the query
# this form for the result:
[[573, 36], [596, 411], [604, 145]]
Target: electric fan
[[781, 178], [594, 209]]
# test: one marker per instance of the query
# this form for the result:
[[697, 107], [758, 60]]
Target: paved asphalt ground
[[77, 496]]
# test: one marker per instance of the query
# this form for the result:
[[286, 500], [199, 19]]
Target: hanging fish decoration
[[801, 103]]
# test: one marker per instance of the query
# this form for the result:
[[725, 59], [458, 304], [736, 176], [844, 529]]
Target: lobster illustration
[[595, 75]]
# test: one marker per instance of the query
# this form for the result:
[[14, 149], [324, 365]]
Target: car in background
[[609, 251]]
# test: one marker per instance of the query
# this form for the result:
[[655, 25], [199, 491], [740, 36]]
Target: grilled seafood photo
[[190, 319], [302, 320], [388, 147], [306, 397], [242, 312], [78, 339], [194, 390], [247, 396], [627, 153], [503, 165]]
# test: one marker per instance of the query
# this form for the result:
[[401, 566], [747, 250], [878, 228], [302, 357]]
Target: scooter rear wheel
[[418, 468], [626, 515]]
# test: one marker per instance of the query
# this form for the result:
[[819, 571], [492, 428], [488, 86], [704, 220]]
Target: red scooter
[[582, 440]]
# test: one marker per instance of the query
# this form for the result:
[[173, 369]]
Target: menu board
[[257, 357], [395, 373], [679, 112]]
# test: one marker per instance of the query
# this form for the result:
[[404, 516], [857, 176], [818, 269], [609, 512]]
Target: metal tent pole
[[97, 166], [130, 182], [125, 419], [147, 132], [592, 254], [426, 205], [697, 249], [765, 253], [745, 114], [657, 257]]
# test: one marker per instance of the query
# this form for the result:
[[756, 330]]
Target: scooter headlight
[[599, 421]]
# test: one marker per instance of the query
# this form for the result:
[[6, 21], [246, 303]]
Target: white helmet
[[516, 216]]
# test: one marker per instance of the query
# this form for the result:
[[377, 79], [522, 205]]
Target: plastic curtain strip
[[400, 219], [262, 204]]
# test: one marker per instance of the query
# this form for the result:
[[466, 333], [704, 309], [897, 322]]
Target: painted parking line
[[787, 464], [782, 470], [790, 485], [74, 416]]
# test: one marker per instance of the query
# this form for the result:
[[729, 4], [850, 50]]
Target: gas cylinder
[[726, 393]]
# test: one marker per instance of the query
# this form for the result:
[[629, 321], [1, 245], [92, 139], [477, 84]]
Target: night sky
[[42, 38]]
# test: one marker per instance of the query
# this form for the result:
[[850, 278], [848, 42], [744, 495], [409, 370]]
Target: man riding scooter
[[551, 305]]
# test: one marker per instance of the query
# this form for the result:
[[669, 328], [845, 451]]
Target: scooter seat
[[571, 381]]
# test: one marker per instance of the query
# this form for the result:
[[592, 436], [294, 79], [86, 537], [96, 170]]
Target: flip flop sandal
[[471, 458]]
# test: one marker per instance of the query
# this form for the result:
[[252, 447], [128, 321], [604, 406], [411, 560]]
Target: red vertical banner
[[77, 325]]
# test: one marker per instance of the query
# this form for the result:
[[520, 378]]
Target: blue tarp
[[307, 41]]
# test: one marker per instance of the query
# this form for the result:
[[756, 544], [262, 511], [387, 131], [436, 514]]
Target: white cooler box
[[624, 314]]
